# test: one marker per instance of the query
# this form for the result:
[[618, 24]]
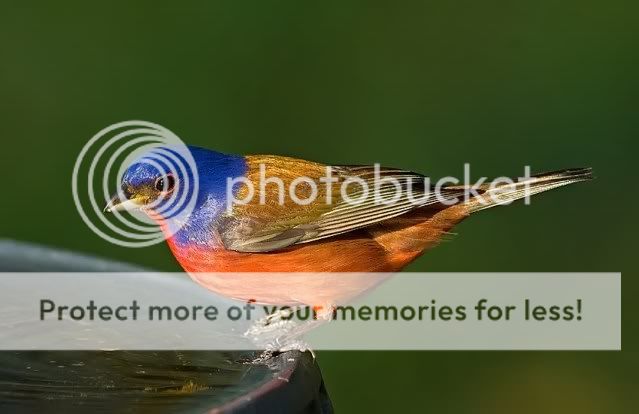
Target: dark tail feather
[[507, 193]]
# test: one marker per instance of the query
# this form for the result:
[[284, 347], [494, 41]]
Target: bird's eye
[[165, 184]]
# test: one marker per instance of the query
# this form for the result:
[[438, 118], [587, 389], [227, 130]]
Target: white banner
[[329, 311]]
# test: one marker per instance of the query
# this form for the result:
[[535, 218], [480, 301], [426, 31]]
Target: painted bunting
[[329, 233]]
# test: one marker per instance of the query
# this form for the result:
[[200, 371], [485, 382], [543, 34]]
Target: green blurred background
[[426, 86]]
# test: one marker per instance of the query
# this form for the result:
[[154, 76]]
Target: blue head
[[163, 183]]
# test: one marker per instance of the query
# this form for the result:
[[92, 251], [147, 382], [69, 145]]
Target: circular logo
[[148, 147]]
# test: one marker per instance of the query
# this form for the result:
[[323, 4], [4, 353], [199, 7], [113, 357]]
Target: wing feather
[[269, 226]]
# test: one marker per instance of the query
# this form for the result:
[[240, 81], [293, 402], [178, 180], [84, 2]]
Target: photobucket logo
[[376, 186], [160, 157]]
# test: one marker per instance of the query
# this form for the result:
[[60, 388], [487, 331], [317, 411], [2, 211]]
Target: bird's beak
[[117, 204]]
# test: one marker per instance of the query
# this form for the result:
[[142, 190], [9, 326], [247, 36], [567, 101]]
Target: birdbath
[[136, 381]]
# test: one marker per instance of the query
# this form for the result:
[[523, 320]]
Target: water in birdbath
[[123, 381]]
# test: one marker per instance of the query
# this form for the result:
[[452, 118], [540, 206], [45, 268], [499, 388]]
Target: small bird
[[329, 234]]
